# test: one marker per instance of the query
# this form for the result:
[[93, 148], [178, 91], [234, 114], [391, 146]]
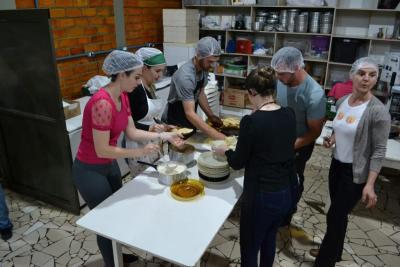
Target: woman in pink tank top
[[107, 114]]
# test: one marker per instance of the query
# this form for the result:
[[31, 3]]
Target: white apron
[[155, 110]]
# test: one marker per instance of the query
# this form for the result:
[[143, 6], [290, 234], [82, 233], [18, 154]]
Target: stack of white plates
[[211, 169]]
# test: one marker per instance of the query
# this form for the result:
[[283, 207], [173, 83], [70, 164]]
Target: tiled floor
[[46, 236]]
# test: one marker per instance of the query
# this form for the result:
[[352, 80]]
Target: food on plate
[[185, 148], [185, 132], [228, 123], [231, 122], [231, 141]]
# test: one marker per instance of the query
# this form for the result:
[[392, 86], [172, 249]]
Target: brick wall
[[143, 20], [81, 26]]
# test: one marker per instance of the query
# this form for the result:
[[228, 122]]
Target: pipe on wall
[[94, 54], [36, 2]]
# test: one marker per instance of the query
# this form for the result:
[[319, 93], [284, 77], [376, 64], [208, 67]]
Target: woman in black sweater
[[265, 149]]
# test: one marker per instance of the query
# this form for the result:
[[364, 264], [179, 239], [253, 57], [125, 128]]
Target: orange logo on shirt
[[340, 116], [350, 119]]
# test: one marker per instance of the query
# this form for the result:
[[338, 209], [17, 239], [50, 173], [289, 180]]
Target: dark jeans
[[260, 219], [96, 182], [303, 154], [344, 194]]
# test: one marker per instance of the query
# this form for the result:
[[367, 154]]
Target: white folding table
[[143, 215]]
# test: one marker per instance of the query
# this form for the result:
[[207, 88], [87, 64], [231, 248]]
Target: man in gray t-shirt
[[299, 91], [187, 90]]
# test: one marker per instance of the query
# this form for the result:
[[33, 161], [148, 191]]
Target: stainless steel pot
[[184, 154], [258, 26], [169, 172]]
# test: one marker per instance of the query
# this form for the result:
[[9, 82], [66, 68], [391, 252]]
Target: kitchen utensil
[[301, 22], [187, 190], [258, 26], [169, 172], [292, 13], [314, 22], [184, 154]]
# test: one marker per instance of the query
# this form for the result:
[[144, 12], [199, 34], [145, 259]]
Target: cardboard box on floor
[[72, 109]]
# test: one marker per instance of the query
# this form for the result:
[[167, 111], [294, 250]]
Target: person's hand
[[329, 141], [150, 149], [215, 121], [220, 149], [171, 136], [368, 196], [158, 128]]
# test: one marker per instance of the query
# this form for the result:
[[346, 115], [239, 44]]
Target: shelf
[[261, 56], [230, 76], [295, 7], [234, 30], [236, 54], [304, 33], [233, 6], [366, 38], [310, 59], [340, 64], [217, 30], [269, 32], [366, 9]]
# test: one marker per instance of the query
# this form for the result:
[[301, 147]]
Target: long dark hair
[[263, 81]]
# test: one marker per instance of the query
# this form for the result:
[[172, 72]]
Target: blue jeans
[[5, 222], [260, 219]]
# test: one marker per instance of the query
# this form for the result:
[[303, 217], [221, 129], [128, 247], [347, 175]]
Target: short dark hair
[[262, 80], [113, 77]]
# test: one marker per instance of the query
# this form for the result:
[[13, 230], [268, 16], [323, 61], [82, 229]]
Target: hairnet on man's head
[[151, 56], [207, 47], [287, 59], [364, 62], [120, 61]]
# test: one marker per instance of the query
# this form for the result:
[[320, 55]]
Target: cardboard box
[[71, 108], [183, 35], [181, 17], [234, 97]]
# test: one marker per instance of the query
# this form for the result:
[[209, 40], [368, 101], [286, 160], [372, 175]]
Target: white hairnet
[[287, 59], [364, 62], [120, 61], [208, 46]]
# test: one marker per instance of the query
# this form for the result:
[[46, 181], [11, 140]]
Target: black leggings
[[96, 182]]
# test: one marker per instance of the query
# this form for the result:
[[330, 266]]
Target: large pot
[[169, 172], [184, 154]]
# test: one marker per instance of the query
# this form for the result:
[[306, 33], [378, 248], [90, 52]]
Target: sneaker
[[129, 258], [6, 233], [314, 252]]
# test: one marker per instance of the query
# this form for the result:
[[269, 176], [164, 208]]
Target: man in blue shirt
[[299, 91]]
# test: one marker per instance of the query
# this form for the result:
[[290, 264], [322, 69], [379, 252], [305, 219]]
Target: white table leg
[[117, 252]]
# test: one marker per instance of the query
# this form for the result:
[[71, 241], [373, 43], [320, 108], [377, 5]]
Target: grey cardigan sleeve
[[380, 134]]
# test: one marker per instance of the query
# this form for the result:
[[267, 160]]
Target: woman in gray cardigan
[[361, 129]]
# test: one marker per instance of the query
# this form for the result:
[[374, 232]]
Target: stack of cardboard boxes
[[181, 25]]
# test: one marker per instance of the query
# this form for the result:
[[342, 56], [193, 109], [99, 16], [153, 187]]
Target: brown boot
[[314, 252]]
